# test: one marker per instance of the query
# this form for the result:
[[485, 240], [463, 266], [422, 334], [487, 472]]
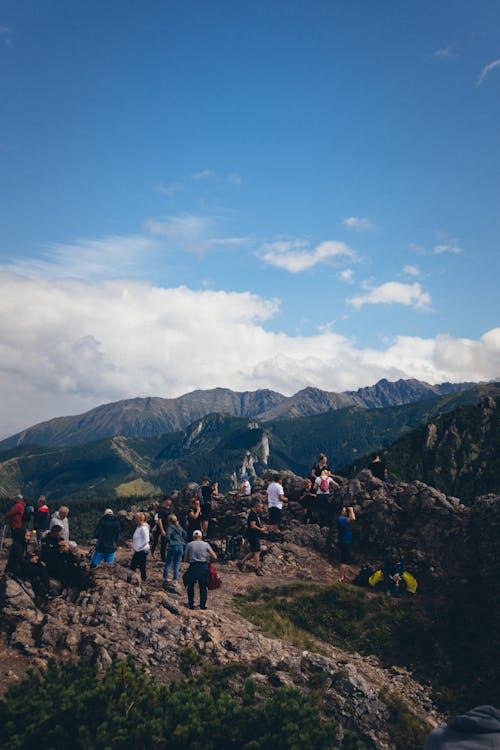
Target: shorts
[[206, 512], [345, 553], [274, 516], [254, 542], [99, 557]]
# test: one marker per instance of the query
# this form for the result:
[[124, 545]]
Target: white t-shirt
[[245, 486], [273, 495]]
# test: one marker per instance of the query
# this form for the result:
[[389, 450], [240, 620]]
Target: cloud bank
[[296, 256], [67, 345], [394, 292]]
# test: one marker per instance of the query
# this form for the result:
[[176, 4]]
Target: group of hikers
[[41, 549]]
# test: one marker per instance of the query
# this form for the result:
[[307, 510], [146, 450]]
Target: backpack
[[233, 546], [214, 579], [324, 485]]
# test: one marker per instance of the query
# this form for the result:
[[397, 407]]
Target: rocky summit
[[445, 543]]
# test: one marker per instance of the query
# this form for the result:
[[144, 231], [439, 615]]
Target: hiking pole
[[2, 541]]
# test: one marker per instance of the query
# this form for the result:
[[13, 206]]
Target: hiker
[[42, 518], [322, 485], [478, 729], [245, 487], [319, 467], [140, 544], [176, 539], [106, 534], [14, 518], [308, 501], [275, 499], [160, 532], [198, 554], [29, 517], [254, 530], [205, 496], [344, 521], [61, 562], [25, 564], [393, 569], [378, 468], [60, 518], [194, 518]]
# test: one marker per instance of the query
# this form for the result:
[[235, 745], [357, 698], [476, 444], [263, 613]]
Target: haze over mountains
[[154, 416]]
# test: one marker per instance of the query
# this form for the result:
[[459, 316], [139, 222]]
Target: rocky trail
[[121, 616]]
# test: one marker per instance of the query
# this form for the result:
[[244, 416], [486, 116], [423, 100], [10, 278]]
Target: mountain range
[[223, 447], [154, 416]]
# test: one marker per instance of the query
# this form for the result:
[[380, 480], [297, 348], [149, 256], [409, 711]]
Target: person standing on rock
[[176, 539], [42, 518], [309, 501], [194, 518], [205, 496], [107, 535], [378, 468], [344, 521], [275, 499], [14, 518], [198, 554], [319, 467], [323, 485], [140, 544], [164, 511], [254, 530], [60, 518]]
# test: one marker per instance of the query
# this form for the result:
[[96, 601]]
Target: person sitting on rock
[[25, 564], [176, 539], [255, 528], [378, 468], [107, 535], [61, 562], [393, 569], [245, 490], [60, 518], [198, 554]]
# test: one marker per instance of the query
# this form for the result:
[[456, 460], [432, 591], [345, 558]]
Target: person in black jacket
[[107, 535], [24, 563], [478, 729]]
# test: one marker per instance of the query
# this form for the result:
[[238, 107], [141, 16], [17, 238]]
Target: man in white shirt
[[275, 499]]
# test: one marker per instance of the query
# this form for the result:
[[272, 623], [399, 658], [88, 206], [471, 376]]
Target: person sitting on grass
[[254, 529], [393, 569]]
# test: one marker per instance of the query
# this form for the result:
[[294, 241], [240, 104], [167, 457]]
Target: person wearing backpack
[[323, 484]]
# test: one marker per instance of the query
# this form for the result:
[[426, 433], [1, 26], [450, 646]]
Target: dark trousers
[[198, 571], [163, 544], [139, 561]]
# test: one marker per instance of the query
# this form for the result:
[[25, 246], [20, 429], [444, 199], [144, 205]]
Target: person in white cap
[[198, 554], [107, 535]]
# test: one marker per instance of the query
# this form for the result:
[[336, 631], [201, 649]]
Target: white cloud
[[347, 275], [6, 36], [107, 257], [444, 53], [411, 270], [394, 292], [205, 174], [295, 256], [358, 223], [487, 70], [452, 249], [77, 344], [192, 233]]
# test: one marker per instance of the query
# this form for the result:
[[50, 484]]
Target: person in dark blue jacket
[[107, 535]]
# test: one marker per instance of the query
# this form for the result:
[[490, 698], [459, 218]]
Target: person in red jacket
[[14, 518]]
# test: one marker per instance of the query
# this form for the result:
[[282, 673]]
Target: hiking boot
[[258, 572]]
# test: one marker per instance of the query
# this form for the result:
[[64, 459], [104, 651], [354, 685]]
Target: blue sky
[[293, 193]]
